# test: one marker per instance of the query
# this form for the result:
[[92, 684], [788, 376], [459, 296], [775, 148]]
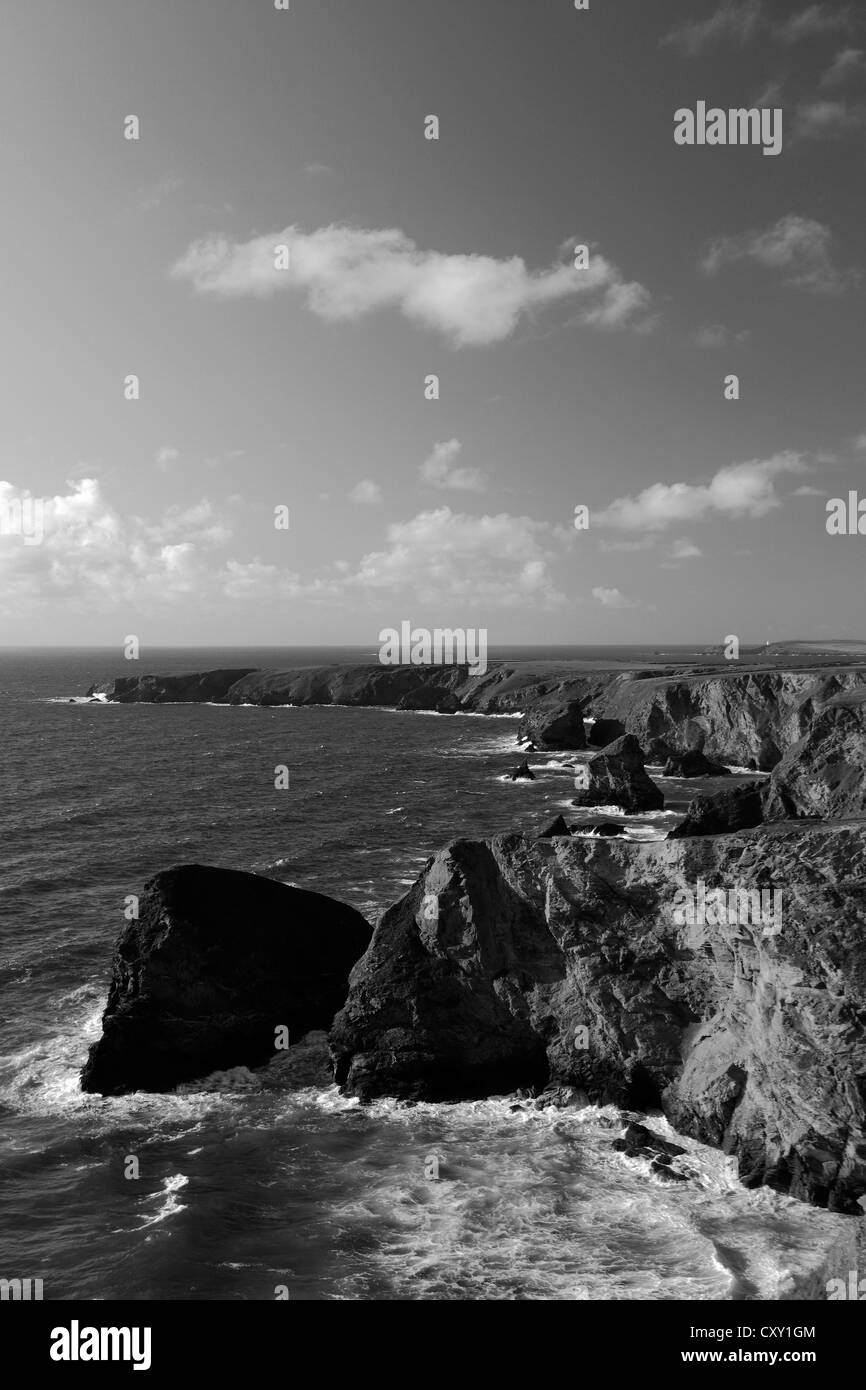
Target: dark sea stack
[[198, 688], [693, 763], [617, 777], [556, 827], [556, 727], [522, 773], [215, 963], [735, 808], [562, 962]]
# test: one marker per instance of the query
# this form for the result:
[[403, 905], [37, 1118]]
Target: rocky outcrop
[[735, 808], [824, 773], [556, 827], [216, 962], [571, 962], [693, 763], [522, 773], [558, 727], [199, 688], [616, 777]]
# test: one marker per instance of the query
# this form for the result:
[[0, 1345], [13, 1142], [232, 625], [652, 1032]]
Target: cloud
[[347, 272], [735, 21], [807, 491], [166, 456], [817, 119], [685, 550], [612, 598], [156, 193], [438, 471], [860, 441], [629, 547], [92, 556], [815, 19], [848, 63], [797, 247], [366, 493], [738, 490], [716, 335]]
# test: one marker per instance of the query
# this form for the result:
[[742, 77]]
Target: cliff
[[486, 974]]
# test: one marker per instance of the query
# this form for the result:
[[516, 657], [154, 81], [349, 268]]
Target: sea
[[258, 1185]]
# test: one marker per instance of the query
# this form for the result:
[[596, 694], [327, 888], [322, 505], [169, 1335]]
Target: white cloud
[[818, 119], [347, 272], [815, 19], [797, 247], [848, 63], [734, 21], [438, 470], [366, 493], [612, 598], [685, 550], [716, 335], [91, 555], [166, 456], [739, 490]]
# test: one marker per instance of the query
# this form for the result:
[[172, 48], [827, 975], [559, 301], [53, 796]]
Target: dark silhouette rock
[[570, 969], [523, 773], [735, 808], [606, 828], [559, 726], [556, 827], [198, 688], [605, 731], [215, 963], [616, 777], [693, 763], [640, 1142]]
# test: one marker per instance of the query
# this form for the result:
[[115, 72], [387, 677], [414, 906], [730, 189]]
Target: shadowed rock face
[[480, 979], [735, 808], [693, 763], [559, 727], [617, 778], [824, 774], [215, 963]]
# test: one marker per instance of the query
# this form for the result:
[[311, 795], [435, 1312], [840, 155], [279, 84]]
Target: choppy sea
[[274, 1179]]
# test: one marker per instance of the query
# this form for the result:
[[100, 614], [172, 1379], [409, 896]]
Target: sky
[[298, 136]]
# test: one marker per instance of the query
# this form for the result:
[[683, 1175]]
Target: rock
[[198, 688], [748, 1042], [617, 778], [640, 1142], [523, 773], [693, 763], [215, 963], [606, 828], [430, 699], [556, 827], [735, 808], [824, 773], [605, 731], [558, 727]]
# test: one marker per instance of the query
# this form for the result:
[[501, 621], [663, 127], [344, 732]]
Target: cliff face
[[748, 718], [198, 688], [217, 961], [516, 961]]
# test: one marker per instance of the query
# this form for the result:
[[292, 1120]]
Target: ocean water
[[255, 1181]]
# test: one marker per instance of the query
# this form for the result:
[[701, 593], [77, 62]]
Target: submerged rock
[[617, 777], [693, 763], [563, 962], [217, 961]]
